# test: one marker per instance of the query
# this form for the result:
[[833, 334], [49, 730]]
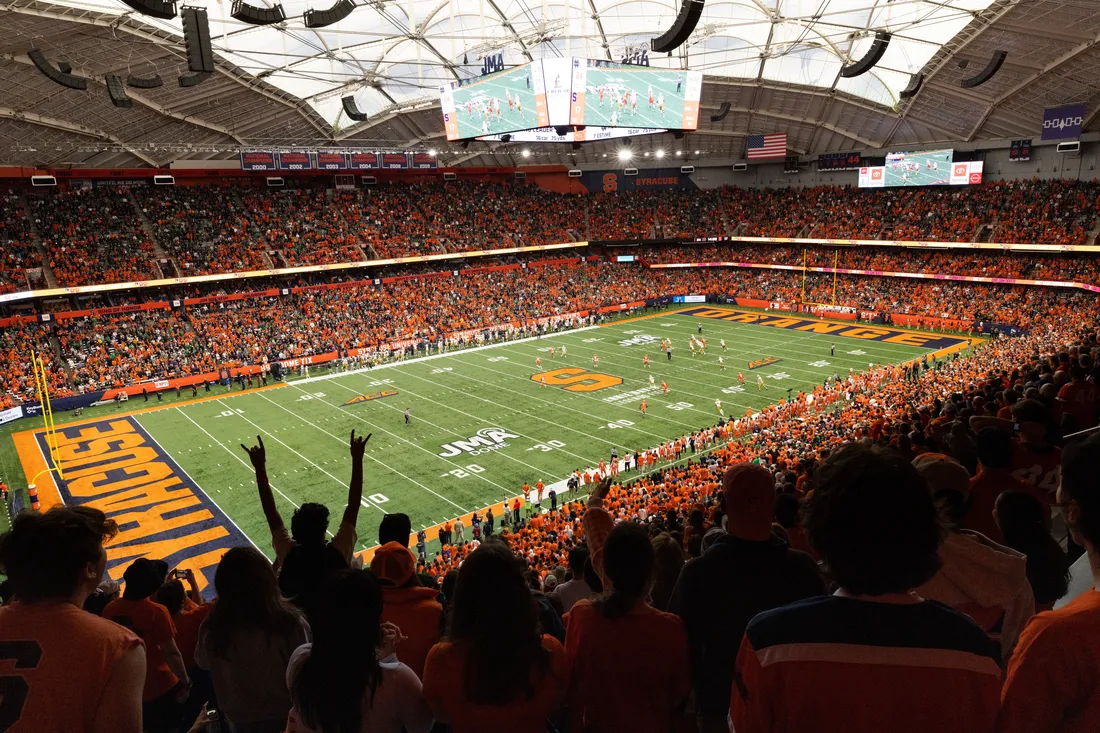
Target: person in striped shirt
[[874, 656]]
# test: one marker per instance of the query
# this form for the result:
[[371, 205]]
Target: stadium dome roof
[[776, 62]]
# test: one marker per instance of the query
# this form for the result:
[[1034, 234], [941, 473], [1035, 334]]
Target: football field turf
[[181, 487]]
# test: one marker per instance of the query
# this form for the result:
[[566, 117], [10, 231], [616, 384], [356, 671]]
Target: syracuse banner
[[115, 466]]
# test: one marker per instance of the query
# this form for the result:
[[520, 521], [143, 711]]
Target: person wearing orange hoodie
[[408, 605]]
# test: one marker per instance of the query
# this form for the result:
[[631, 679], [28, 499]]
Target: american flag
[[772, 145]]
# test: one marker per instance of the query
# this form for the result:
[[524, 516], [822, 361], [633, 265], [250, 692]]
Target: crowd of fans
[[689, 588], [203, 227], [93, 236], [17, 249], [753, 575], [981, 263], [114, 351], [96, 235]]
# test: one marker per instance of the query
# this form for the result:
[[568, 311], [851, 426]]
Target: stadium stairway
[[163, 263], [330, 194], [1090, 238], [47, 272]]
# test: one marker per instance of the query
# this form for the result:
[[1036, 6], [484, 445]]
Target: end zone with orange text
[[114, 465], [845, 330]]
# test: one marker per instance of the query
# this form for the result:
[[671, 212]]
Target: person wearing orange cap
[[407, 604], [743, 573]]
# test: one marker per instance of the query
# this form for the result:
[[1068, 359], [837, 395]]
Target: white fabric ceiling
[[393, 53]]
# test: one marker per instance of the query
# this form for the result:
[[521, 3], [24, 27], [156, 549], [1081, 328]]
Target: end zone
[[116, 466]]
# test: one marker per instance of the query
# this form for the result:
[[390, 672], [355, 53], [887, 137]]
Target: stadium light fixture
[[679, 152], [432, 152], [624, 154], [660, 153], [526, 153], [696, 152], [647, 153]]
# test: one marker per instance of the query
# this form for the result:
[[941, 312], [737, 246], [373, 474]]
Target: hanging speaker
[[117, 91], [196, 39], [351, 110], [192, 80], [257, 16], [873, 56], [913, 87], [322, 18], [987, 73], [723, 110], [144, 82], [681, 29], [163, 9], [55, 75]]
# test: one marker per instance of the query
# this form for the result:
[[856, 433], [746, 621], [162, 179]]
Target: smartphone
[[181, 573]]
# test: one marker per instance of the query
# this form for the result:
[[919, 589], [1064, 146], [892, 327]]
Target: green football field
[[635, 84], [482, 423]]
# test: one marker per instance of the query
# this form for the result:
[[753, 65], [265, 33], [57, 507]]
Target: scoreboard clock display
[[838, 161]]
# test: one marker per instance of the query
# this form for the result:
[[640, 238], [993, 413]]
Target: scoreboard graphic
[[571, 92]]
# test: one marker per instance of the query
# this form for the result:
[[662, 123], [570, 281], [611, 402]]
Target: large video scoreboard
[[595, 95]]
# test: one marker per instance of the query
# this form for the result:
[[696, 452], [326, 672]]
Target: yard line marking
[[232, 453], [430, 357], [307, 460], [560, 406], [766, 345], [359, 418], [461, 412], [679, 391], [528, 413]]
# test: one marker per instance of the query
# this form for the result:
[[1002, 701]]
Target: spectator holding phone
[[167, 684], [349, 679]]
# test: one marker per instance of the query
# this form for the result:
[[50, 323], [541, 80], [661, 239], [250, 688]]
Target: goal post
[[41, 382]]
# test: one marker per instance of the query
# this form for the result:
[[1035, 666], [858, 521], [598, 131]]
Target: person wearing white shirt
[[349, 678]]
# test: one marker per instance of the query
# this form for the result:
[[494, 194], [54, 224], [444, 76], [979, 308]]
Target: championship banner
[[295, 160], [394, 161], [363, 161], [423, 161], [1063, 122], [258, 160], [332, 161]]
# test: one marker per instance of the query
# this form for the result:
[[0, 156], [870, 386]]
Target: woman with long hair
[[349, 680], [468, 682], [1019, 516], [247, 640], [629, 661]]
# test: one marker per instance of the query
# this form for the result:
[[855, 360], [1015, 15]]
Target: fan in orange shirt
[[1053, 682], [467, 683], [77, 672]]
